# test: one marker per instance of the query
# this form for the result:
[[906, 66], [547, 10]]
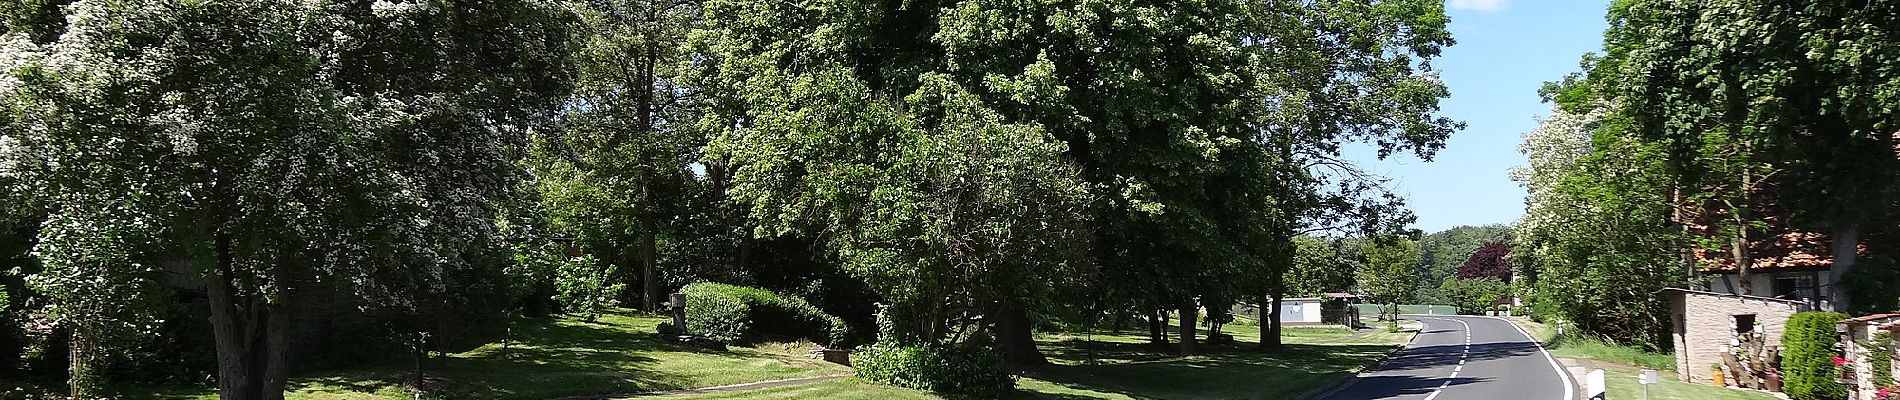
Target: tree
[[1443, 252], [1490, 261], [1752, 101], [1184, 167], [1473, 295], [1318, 267], [619, 171], [257, 144], [1595, 224], [1387, 275]]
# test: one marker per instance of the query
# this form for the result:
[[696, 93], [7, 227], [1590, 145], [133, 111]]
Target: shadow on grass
[[1224, 372]]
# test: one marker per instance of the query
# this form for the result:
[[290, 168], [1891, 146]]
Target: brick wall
[[1705, 324]]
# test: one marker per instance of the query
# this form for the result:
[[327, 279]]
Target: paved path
[[1463, 358]]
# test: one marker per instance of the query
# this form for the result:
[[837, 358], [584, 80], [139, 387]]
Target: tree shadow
[[1224, 372]]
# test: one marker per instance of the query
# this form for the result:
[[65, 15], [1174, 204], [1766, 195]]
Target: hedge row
[[972, 371], [1807, 361], [736, 314]]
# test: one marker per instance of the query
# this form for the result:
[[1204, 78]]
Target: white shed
[[1302, 310]]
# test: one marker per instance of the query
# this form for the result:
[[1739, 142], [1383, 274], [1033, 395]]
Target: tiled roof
[[1863, 320]]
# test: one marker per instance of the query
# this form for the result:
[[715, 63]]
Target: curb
[[1348, 381]]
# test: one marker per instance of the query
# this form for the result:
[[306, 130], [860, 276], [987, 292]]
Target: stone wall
[[1705, 325]]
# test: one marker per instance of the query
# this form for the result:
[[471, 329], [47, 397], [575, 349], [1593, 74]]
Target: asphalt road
[[1463, 358]]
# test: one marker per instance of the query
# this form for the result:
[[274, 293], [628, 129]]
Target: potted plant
[[1715, 370]]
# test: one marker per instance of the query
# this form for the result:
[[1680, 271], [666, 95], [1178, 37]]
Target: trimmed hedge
[[974, 372], [737, 314], [1807, 361]]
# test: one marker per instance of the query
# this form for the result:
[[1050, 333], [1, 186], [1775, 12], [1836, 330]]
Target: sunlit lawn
[[616, 354]]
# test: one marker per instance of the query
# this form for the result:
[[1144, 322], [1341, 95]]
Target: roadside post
[[1647, 377], [1593, 385]]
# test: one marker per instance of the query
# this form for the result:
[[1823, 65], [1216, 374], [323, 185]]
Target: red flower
[[1838, 361]]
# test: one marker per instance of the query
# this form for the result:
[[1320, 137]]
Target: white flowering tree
[[257, 145]]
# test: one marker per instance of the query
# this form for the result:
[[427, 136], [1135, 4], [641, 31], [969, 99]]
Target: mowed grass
[[1124, 366], [1620, 383], [618, 353]]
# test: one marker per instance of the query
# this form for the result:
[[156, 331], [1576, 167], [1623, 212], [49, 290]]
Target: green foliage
[[737, 314], [1881, 354], [1388, 273], [968, 371], [1588, 246], [1474, 295], [1585, 345], [585, 287], [1875, 284], [1318, 267], [1442, 253], [1807, 361]]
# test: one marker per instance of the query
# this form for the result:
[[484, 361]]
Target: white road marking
[[1461, 361], [1570, 387]]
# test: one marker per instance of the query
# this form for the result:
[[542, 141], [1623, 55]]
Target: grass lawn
[[618, 353], [1126, 367]]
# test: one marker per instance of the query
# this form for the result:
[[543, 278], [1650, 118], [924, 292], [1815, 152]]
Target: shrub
[[1808, 358], [734, 314], [1880, 353], [969, 371], [585, 287]]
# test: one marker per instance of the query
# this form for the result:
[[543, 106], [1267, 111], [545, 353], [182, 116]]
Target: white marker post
[[1647, 377], [1593, 385]]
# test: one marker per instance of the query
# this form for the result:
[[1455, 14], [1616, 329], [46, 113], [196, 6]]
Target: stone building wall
[[1705, 325]]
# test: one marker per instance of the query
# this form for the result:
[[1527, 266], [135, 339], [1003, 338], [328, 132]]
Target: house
[[1856, 335], [1710, 327]]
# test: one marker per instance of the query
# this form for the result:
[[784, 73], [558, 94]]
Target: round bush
[[975, 372], [735, 314], [1807, 362]]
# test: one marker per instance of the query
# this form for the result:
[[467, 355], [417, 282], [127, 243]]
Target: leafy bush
[[1473, 295], [585, 287], [1808, 358], [970, 371], [733, 314]]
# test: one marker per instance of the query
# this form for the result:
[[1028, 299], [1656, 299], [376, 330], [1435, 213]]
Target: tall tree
[[620, 170], [255, 143], [1746, 96]]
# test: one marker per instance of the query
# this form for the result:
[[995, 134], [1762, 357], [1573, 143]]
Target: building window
[[1745, 323], [1798, 287]]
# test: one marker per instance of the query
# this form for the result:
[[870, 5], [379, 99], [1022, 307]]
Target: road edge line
[[1570, 384]]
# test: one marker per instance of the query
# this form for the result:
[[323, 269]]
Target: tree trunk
[[1189, 314], [1846, 248], [1738, 248], [1013, 333], [249, 334], [649, 243], [1270, 331], [1157, 328], [84, 375]]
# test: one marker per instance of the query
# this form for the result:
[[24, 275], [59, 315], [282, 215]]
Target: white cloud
[[1480, 5]]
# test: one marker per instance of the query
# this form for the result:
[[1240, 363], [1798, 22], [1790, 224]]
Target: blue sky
[[1506, 49]]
